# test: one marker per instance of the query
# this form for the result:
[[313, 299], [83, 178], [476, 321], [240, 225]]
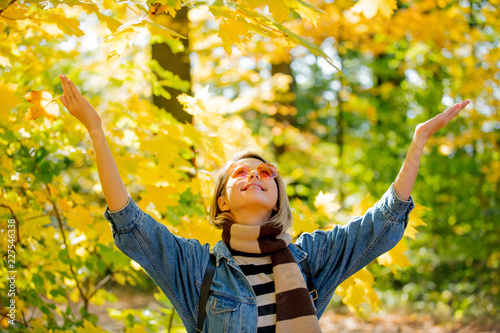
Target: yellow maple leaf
[[79, 218], [12, 203], [77, 199], [120, 40], [492, 171], [395, 257], [102, 230], [233, 134], [197, 227], [137, 329], [9, 99], [128, 32], [64, 204], [5, 62], [327, 203], [230, 31], [362, 207], [303, 219], [204, 184], [307, 11], [369, 8], [207, 109], [172, 10], [415, 220], [120, 278], [43, 105], [88, 327], [132, 163], [4, 322], [155, 144], [210, 146], [67, 25], [99, 298], [16, 10], [161, 196], [280, 9], [358, 289], [111, 22]]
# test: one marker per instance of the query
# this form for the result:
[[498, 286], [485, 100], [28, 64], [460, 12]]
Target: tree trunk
[[178, 64], [287, 119]]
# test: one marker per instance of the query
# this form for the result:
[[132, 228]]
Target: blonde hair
[[281, 217]]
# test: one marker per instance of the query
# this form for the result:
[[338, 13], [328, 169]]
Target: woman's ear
[[223, 205], [276, 207]]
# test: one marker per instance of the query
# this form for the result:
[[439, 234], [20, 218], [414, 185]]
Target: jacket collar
[[221, 251]]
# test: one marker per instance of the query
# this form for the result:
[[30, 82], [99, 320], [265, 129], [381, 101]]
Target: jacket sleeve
[[175, 264], [337, 254]]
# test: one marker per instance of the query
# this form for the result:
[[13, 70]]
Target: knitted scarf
[[294, 307]]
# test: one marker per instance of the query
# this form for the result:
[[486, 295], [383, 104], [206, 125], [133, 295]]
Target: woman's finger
[[70, 96], [451, 108], [455, 112], [64, 101], [67, 91], [74, 89], [64, 85], [64, 81]]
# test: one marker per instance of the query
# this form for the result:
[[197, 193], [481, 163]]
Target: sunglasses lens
[[239, 171], [266, 172]]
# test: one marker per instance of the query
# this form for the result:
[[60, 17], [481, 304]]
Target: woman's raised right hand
[[78, 106]]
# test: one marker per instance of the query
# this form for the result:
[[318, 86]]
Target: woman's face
[[242, 199]]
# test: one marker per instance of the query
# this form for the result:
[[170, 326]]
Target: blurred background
[[330, 91]]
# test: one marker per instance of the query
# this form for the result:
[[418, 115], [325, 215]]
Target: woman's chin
[[255, 205]]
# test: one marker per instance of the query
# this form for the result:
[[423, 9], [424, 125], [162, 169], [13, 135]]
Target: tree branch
[[10, 4], [171, 320], [15, 218], [18, 322], [59, 220], [263, 24], [100, 284]]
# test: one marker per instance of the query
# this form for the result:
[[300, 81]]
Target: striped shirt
[[258, 270]]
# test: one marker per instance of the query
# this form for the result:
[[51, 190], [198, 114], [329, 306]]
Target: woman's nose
[[252, 173]]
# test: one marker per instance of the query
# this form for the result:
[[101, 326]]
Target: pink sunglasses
[[239, 170]]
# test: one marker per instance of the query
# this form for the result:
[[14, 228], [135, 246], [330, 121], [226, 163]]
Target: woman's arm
[[174, 263], [112, 185], [408, 174]]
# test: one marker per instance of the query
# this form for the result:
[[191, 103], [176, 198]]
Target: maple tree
[[346, 131]]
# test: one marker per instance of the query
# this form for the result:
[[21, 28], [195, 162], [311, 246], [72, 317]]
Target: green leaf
[[130, 321], [63, 256], [176, 45], [50, 276], [45, 172], [168, 79], [37, 280], [111, 298], [45, 310]]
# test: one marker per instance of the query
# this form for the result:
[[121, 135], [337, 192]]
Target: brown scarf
[[294, 307]]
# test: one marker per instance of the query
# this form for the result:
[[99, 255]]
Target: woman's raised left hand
[[405, 180], [424, 131]]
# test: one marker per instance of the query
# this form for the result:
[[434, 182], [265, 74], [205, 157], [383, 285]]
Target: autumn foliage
[[338, 120]]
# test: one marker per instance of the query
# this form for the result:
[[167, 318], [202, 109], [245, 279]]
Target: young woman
[[258, 284]]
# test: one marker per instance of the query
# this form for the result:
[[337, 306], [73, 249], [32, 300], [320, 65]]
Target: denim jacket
[[177, 265]]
